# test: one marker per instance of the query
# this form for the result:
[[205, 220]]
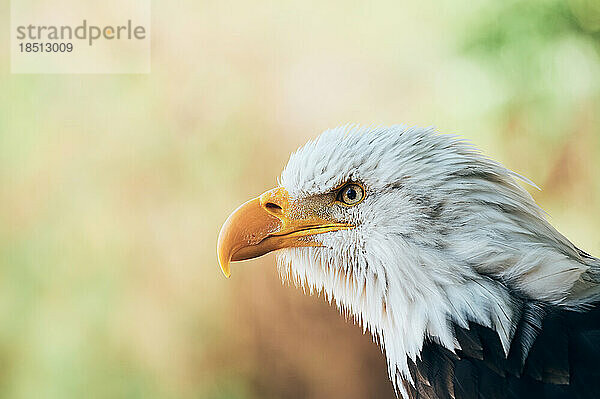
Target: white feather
[[444, 235]]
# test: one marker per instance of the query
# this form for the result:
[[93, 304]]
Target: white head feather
[[444, 235]]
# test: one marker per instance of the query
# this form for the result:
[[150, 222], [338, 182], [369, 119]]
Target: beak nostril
[[273, 207]]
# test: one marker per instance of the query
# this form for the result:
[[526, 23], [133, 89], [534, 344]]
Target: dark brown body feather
[[555, 353]]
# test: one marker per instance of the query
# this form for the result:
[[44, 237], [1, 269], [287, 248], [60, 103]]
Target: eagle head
[[411, 232]]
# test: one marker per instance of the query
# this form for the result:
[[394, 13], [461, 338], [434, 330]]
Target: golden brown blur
[[113, 187]]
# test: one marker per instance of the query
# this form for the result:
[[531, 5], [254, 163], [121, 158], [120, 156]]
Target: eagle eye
[[351, 194]]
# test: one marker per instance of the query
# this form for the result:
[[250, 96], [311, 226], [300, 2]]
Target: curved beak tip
[[226, 271]]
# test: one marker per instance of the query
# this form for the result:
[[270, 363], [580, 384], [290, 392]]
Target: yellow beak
[[268, 223]]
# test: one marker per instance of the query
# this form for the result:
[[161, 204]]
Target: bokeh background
[[113, 187]]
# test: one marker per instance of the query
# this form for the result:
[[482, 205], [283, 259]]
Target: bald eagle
[[439, 253]]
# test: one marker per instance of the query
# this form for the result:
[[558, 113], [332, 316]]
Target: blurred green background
[[113, 187]]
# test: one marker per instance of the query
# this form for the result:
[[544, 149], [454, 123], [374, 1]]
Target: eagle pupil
[[351, 194]]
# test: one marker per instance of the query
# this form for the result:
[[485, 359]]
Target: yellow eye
[[351, 194]]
